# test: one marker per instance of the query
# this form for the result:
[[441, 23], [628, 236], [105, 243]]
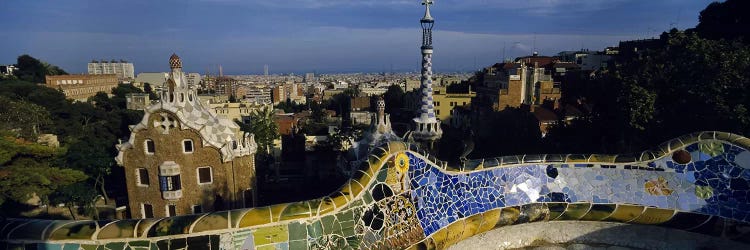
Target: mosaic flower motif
[[704, 192], [712, 148], [658, 187], [402, 162]]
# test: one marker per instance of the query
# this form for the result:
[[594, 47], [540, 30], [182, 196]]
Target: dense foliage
[[263, 126], [28, 169], [687, 84], [33, 70], [725, 20], [684, 82], [87, 132]]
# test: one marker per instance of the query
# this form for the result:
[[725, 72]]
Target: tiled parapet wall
[[402, 199]]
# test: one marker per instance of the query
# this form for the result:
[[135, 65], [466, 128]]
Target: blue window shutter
[[163, 182]]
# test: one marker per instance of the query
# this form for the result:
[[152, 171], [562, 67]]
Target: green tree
[[687, 84], [638, 104], [89, 130], [519, 134], [263, 126], [94, 156], [28, 169], [33, 70], [394, 99], [25, 117], [725, 20], [120, 92], [77, 195]]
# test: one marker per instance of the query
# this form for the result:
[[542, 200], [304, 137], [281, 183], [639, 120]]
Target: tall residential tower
[[427, 125], [123, 69]]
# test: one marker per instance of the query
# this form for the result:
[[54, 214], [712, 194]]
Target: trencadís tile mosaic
[[403, 198]]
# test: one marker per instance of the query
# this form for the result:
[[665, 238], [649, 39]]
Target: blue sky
[[322, 35]]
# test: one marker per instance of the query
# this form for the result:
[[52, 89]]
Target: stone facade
[[81, 87], [292, 92], [137, 101], [512, 85], [445, 102], [240, 111], [228, 179], [183, 159]]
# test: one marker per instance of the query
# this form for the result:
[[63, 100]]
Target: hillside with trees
[[83, 166], [693, 80]]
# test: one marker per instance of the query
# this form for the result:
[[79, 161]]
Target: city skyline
[[324, 36]]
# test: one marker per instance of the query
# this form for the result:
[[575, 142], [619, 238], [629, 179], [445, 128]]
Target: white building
[[123, 69], [309, 77], [7, 69], [154, 79], [193, 79]]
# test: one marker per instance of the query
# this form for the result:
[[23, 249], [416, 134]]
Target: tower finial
[[427, 4], [175, 62], [381, 108]]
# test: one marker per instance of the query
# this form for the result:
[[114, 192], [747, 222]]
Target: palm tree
[[263, 125]]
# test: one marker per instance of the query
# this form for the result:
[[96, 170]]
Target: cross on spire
[[427, 17]]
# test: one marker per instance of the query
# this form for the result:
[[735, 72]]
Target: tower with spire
[[427, 125], [380, 126]]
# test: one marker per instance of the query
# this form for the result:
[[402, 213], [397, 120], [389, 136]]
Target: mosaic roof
[[403, 198]]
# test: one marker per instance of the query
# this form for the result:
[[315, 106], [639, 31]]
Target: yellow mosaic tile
[[599, 212], [489, 220], [575, 211], [625, 213], [118, 229], [276, 211], [556, 209], [256, 216], [339, 199], [602, 158], [535, 212], [508, 216], [454, 234], [654, 216], [296, 210], [215, 221], [472, 225], [326, 206], [144, 225]]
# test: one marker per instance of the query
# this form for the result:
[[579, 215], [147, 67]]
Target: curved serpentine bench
[[406, 199]]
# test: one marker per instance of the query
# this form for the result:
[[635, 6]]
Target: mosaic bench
[[406, 199]]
